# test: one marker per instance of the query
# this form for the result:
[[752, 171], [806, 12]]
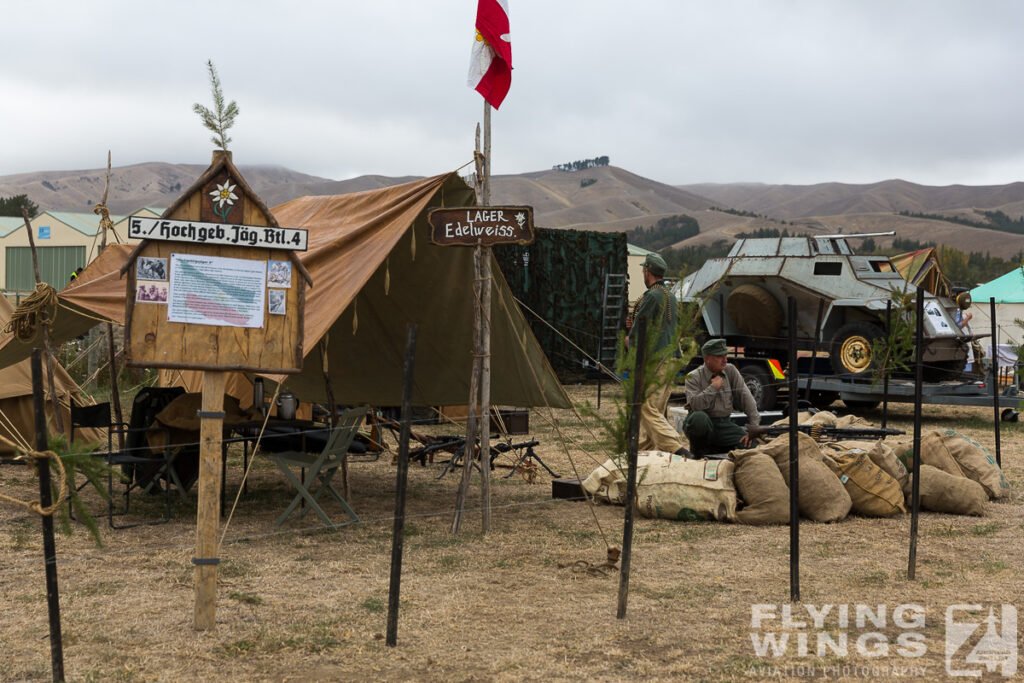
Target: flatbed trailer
[[765, 379], [864, 392]]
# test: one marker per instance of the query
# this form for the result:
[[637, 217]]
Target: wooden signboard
[[197, 232], [201, 298], [481, 225], [232, 298]]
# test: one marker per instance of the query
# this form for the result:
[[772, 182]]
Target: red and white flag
[[490, 69]]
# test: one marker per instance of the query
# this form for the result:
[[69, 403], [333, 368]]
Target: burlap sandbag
[[944, 492], [822, 497], [976, 462], [933, 452], [761, 486], [608, 482], [879, 452], [847, 421], [872, 491], [822, 417], [688, 490], [885, 457]]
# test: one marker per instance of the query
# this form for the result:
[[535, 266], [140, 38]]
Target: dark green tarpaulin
[[561, 277]]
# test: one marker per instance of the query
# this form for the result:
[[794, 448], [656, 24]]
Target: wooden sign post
[[215, 286], [479, 227]]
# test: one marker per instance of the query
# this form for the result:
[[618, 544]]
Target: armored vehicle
[[745, 294]]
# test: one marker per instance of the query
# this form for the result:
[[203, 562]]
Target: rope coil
[[39, 308], [36, 506]]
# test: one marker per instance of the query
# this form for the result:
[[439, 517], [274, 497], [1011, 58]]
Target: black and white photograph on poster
[[275, 301], [279, 274], [152, 292], [151, 268]]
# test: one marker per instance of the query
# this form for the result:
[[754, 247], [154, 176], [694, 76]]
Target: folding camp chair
[[321, 470], [128, 458]]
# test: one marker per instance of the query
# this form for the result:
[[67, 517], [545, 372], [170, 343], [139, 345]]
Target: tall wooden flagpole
[[485, 344]]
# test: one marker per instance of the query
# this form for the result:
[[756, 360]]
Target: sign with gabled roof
[[210, 303]]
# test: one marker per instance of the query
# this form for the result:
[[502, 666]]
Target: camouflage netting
[[561, 277]]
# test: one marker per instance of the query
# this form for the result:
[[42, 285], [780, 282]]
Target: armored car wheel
[[853, 347]]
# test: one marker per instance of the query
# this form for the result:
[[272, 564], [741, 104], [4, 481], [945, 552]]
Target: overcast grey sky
[[680, 91]]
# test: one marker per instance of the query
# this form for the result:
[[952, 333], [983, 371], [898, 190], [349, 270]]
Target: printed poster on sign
[[279, 274], [212, 290]]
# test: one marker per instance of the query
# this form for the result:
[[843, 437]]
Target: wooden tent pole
[[485, 344], [58, 419], [115, 391], [208, 509], [469, 451]]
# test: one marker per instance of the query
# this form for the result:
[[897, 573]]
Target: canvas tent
[[374, 270], [1008, 291], [17, 410], [921, 268]]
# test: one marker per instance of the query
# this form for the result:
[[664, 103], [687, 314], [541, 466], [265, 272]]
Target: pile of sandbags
[[669, 486], [869, 478], [957, 473]]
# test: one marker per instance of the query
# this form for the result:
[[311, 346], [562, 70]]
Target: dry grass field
[[304, 604]]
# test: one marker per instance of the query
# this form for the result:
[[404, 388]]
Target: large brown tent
[[17, 410], [374, 270]]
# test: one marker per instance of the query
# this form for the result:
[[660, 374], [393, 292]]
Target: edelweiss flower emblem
[[224, 194], [520, 218]]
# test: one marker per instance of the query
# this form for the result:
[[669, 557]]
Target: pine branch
[[222, 117]]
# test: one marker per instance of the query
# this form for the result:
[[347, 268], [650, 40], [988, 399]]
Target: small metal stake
[[794, 463], [915, 488], [45, 500], [995, 377], [632, 443]]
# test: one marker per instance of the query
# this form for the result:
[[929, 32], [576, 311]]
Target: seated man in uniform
[[712, 392]]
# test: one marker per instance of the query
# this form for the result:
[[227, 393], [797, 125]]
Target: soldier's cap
[[714, 347], [655, 264]]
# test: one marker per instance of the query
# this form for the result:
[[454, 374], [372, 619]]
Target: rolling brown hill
[[605, 198], [830, 199], [158, 184]]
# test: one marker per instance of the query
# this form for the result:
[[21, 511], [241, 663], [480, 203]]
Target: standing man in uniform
[[661, 311], [712, 391]]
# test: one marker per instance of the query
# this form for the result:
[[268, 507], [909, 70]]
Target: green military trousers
[[712, 434]]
